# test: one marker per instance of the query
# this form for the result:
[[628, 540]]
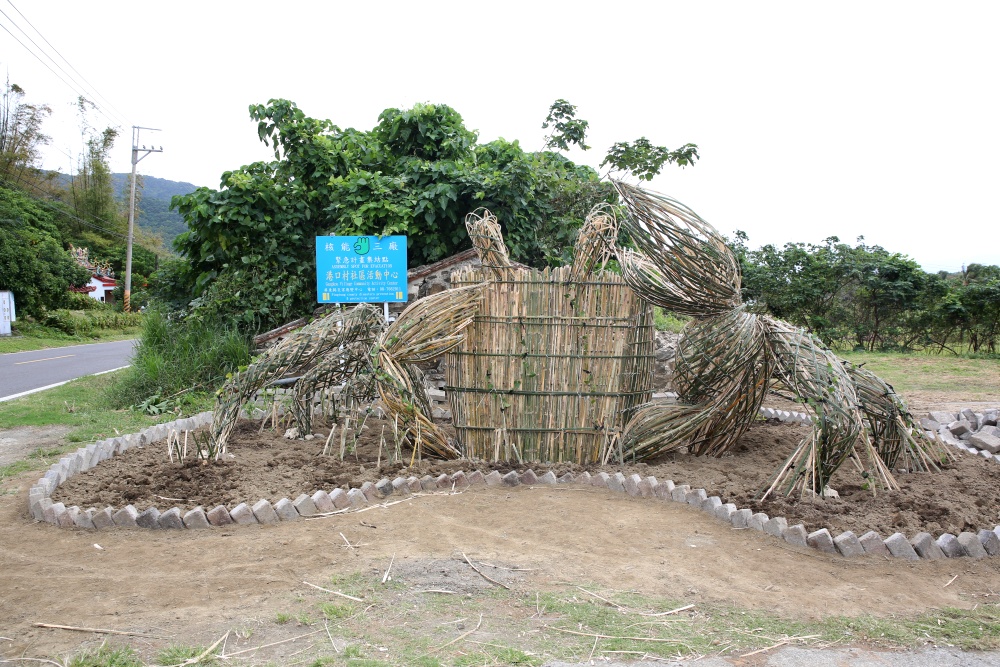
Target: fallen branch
[[613, 604], [510, 569], [437, 590], [635, 639], [385, 577], [668, 613], [458, 638], [326, 626], [205, 653], [492, 581], [327, 590], [950, 581], [98, 630], [767, 648], [283, 641]]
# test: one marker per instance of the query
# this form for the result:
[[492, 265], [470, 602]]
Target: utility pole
[[127, 306]]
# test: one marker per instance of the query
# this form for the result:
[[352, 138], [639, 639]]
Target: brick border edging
[[847, 544]]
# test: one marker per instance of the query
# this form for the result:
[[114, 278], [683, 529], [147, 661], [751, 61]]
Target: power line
[[64, 212], [92, 87], [75, 89]]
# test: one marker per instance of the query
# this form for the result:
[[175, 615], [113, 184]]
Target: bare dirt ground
[[17, 443], [266, 465], [191, 587]]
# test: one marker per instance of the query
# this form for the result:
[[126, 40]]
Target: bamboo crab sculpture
[[578, 346]]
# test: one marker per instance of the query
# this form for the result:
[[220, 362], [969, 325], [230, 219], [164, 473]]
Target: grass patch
[[666, 321], [397, 627], [79, 405], [175, 655], [975, 379], [106, 656], [175, 358]]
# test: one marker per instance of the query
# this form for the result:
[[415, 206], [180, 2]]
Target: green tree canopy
[[417, 172], [33, 263]]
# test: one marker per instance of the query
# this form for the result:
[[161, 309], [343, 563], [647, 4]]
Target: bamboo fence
[[554, 361]]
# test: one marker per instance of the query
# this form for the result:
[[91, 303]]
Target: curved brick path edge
[[847, 544]]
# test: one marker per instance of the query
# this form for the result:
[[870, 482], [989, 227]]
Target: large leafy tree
[[33, 263], [21, 137], [418, 172]]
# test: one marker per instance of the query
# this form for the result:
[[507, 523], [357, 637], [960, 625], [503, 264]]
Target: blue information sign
[[360, 269]]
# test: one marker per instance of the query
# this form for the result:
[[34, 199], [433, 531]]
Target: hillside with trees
[[42, 213]]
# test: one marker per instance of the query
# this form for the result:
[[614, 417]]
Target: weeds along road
[[27, 372]]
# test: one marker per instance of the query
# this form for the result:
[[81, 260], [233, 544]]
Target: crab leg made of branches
[[298, 352], [425, 330]]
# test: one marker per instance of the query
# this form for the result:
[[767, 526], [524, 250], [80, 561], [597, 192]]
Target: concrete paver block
[[125, 517], [950, 545], [494, 478], [384, 487], [741, 518], [171, 519], [242, 514], [631, 484], [355, 498], [900, 547], [725, 511], [340, 499], [219, 516], [972, 545], [511, 479], [85, 518], [548, 479], [529, 477], [822, 541], [149, 518], [795, 535], [990, 542], [776, 526], [695, 497], [711, 504], [848, 544], [304, 505], [371, 493], [264, 512], [926, 547], [103, 519], [196, 519], [322, 502], [873, 544], [285, 510], [757, 521]]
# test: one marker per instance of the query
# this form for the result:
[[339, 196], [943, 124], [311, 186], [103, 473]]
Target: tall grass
[[175, 357]]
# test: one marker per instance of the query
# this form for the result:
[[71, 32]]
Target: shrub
[[178, 356]]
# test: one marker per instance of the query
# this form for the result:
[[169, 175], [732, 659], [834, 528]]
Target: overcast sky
[[813, 119]]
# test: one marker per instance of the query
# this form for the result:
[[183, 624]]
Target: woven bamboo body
[[550, 370]]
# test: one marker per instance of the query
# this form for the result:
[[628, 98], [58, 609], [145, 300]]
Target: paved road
[[25, 372]]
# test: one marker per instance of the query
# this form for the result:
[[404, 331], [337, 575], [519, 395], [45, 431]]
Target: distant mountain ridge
[[154, 207]]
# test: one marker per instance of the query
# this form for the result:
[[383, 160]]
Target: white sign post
[[7, 314]]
